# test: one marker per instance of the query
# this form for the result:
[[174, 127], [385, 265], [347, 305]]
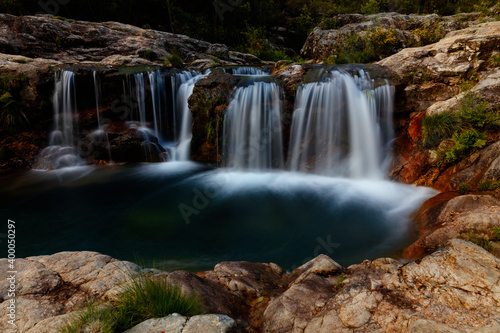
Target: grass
[[438, 127], [481, 240], [145, 297], [496, 232], [175, 61], [92, 319], [20, 61]]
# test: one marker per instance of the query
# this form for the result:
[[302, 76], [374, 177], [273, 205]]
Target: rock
[[253, 278], [51, 324], [478, 168], [461, 216], [321, 44], [110, 43], [210, 324], [128, 143], [429, 326], [173, 323], [208, 103], [453, 55], [454, 289]]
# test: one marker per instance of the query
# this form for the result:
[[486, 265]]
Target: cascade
[[100, 135], [342, 126], [182, 87], [252, 128], [248, 71], [61, 151]]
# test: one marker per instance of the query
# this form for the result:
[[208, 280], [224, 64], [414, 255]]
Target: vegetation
[[496, 233], [489, 186], [275, 22], [144, 298], [175, 61], [463, 189], [12, 118], [467, 128]]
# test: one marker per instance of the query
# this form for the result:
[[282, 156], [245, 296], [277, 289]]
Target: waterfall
[[342, 126], [61, 151], [182, 87], [64, 104], [252, 128], [248, 71]]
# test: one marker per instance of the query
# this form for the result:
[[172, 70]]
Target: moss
[[175, 61]]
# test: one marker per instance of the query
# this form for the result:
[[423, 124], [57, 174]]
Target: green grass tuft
[[438, 127], [145, 297], [175, 61]]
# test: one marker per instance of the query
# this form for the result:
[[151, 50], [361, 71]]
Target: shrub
[[427, 35], [463, 189], [488, 186], [370, 7], [464, 144], [438, 127], [496, 233], [175, 61], [149, 54], [495, 60]]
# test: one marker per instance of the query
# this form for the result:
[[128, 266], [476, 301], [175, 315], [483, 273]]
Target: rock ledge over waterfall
[[454, 289]]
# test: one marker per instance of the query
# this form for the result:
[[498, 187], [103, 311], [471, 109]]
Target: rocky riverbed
[[454, 289]]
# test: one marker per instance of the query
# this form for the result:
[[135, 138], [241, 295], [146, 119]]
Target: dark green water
[[185, 215]]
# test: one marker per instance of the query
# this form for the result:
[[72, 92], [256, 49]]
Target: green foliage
[[489, 186], [427, 35], [473, 111], [438, 127], [148, 54], [495, 60], [496, 233], [175, 61], [465, 143], [463, 189], [370, 7], [330, 23], [12, 117], [144, 298], [375, 44], [468, 127]]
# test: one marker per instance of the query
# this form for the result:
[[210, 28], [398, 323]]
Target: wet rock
[[208, 103], [462, 216]]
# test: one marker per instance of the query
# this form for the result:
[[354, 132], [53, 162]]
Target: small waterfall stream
[[183, 85], [252, 128], [61, 151]]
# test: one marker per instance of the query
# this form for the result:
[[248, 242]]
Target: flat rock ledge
[[454, 289]]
